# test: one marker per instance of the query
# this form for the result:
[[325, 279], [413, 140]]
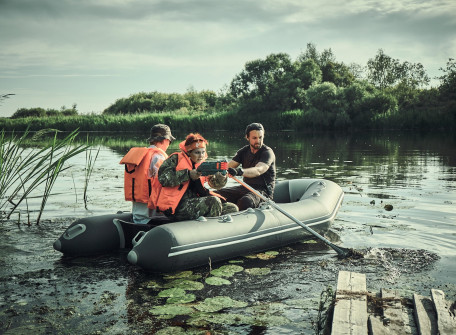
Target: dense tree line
[[157, 102], [41, 112], [312, 91]]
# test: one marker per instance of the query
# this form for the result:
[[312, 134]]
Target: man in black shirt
[[258, 170]]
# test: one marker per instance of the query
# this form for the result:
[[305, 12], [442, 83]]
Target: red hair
[[193, 141]]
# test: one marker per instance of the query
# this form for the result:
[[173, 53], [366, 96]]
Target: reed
[[24, 169], [90, 163]]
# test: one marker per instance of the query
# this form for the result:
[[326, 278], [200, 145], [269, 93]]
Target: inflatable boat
[[164, 246]]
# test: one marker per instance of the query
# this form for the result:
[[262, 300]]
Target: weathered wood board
[[350, 311]]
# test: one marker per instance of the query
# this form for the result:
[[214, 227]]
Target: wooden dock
[[358, 312]]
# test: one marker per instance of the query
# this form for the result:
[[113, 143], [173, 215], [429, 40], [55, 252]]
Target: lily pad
[[152, 284], [185, 299], [267, 255], [185, 284], [258, 271], [218, 303], [227, 270], [182, 274], [171, 310], [172, 292], [236, 261], [217, 281]]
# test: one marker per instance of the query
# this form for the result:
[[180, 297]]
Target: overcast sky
[[93, 52]]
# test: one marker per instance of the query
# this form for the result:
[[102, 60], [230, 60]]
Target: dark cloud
[[196, 10]]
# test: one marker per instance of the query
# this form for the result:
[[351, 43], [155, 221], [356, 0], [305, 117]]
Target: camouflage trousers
[[210, 206]]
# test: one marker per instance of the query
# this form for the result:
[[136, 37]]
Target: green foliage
[[384, 71], [156, 102], [24, 169], [448, 80], [315, 91], [41, 112], [324, 97]]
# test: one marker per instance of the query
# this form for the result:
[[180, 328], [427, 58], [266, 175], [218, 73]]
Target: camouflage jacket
[[169, 177]]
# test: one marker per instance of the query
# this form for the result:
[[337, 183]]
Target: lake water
[[412, 246]]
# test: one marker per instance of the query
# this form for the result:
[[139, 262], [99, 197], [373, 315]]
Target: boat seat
[[281, 192], [287, 191]]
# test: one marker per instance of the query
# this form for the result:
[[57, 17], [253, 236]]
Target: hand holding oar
[[342, 252]]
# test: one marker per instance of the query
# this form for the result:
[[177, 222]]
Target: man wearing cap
[[258, 170], [141, 169]]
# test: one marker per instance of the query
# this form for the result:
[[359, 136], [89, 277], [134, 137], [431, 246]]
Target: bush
[[29, 112]]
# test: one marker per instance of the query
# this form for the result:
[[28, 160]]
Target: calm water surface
[[412, 245]]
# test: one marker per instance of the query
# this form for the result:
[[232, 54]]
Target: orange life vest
[[167, 198], [137, 183]]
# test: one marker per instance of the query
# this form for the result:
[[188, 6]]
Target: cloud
[[170, 44]]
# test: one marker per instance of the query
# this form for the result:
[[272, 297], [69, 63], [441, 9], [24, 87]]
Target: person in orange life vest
[[141, 168], [183, 195]]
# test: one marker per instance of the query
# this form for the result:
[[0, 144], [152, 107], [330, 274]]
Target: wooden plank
[[350, 310], [392, 311], [425, 316], [376, 326], [446, 322]]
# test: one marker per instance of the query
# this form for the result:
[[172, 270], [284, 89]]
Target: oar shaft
[[273, 204]]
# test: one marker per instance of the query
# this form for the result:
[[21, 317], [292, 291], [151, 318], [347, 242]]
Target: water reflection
[[412, 246]]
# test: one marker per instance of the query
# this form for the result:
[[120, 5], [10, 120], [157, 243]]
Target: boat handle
[[74, 231], [226, 218], [138, 237]]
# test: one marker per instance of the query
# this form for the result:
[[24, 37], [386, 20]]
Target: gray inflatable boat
[[169, 246]]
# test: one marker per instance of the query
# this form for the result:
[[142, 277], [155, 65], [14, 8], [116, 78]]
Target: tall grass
[[90, 163], [23, 171]]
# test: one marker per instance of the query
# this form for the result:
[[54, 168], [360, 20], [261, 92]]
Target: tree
[[267, 84], [384, 71], [28, 112], [325, 97], [331, 70], [448, 80]]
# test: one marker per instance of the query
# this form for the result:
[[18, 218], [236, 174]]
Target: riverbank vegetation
[[315, 91], [26, 169]]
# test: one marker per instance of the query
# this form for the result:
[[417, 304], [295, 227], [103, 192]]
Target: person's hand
[[235, 172], [219, 178], [194, 175]]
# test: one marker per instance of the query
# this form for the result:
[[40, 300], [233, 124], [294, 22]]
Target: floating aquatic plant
[[185, 299], [227, 270], [171, 310], [267, 255], [264, 255], [185, 284], [218, 303], [217, 281], [205, 319], [153, 284], [172, 292], [258, 271], [236, 261], [182, 274]]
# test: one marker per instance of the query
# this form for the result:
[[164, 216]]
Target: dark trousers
[[241, 196]]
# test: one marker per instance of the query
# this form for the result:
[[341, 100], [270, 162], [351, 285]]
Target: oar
[[342, 252]]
